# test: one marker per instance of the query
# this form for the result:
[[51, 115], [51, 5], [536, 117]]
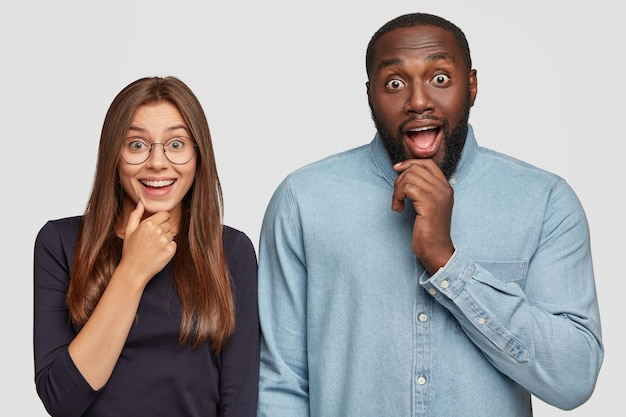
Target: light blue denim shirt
[[353, 325]]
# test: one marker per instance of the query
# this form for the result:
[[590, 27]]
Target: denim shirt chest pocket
[[513, 272]]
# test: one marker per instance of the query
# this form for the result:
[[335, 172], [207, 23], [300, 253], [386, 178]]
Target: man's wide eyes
[[395, 84], [440, 79]]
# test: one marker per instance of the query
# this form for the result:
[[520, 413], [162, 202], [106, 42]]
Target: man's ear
[[473, 86]]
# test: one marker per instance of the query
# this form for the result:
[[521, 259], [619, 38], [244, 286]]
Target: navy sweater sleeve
[[62, 388]]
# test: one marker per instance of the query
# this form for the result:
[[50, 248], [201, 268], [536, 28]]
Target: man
[[420, 274]]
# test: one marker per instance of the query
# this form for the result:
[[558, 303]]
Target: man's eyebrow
[[389, 63], [437, 56]]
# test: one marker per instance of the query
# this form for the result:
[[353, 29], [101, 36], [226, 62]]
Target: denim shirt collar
[[385, 167]]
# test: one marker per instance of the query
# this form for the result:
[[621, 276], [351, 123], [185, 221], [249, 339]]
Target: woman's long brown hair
[[199, 267]]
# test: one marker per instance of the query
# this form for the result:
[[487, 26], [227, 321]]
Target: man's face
[[420, 93]]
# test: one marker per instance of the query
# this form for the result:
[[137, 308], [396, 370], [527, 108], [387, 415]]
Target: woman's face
[[157, 128]]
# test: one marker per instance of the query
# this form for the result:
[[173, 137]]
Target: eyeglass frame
[[193, 143]]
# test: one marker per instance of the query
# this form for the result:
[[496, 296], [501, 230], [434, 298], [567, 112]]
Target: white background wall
[[282, 84]]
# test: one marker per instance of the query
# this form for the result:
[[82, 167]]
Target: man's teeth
[[160, 183], [421, 129]]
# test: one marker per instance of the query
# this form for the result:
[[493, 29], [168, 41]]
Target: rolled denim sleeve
[[284, 384], [542, 331]]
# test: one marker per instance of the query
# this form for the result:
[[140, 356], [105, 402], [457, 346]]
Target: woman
[[146, 304]]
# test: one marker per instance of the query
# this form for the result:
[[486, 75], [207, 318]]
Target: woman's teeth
[[160, 183]]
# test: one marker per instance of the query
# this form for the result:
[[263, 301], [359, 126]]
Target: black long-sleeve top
[[153, 376]]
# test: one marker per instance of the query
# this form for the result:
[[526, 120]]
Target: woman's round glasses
[[178, 150]]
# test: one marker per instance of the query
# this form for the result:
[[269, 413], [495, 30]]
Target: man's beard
[[453, 142]]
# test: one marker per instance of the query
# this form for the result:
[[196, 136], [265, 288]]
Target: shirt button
[[432, 291], [422, 317], [444, 283], [421, 380], [481, 320]]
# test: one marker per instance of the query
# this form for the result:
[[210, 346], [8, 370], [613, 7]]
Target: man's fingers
[[397, 200], [425, 167]]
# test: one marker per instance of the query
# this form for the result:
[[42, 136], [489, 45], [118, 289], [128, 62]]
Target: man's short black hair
[[418, 19]]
